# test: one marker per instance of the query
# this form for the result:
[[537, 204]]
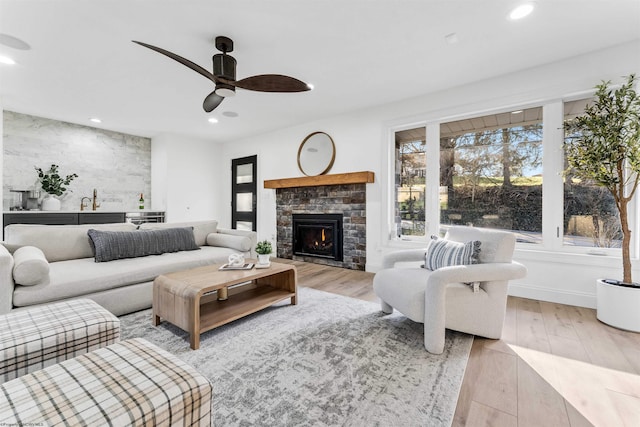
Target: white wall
[[277, 158], [187, 175], [362, 140]]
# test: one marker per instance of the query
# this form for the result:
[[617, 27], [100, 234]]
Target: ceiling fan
[[224, 75]]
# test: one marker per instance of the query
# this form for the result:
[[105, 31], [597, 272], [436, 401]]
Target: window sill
[[541, 255], [569, 258]]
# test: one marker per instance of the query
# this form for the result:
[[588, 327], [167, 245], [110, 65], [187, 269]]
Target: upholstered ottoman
[[131, 383], [41, 336]]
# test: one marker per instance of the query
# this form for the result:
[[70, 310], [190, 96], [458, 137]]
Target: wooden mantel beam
[[312, 181]]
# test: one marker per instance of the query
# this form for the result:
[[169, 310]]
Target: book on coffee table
[[247, 266]]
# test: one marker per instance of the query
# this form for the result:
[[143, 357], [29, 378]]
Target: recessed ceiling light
[[230, 114], [521, 11], [212, 120], [14, 42], [95, 120], [6, 60]]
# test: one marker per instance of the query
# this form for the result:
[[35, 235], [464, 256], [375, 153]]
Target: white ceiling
[[356, 53]]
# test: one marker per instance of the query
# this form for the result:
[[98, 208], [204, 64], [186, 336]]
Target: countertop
[[86, 211]]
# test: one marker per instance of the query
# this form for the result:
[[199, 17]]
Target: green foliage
[[52, 182], [604, 144], [412, 209], [264, 247], [518, 207]]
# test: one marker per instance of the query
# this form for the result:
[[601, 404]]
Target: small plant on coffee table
[[263, 249]]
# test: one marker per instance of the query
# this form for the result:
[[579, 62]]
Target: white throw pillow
[[239, 243], [30, 266]]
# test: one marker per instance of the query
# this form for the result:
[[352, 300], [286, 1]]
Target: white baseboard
[[580, 299]]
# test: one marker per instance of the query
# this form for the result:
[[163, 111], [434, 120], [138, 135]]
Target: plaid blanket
[[41, 336], [131, 383]]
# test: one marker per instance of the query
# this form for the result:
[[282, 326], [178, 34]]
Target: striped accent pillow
[[112, 245], [443, 253]]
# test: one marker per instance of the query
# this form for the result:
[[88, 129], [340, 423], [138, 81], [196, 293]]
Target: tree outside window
[[490, 175], [410, 182], [491, 172], [591, 218]]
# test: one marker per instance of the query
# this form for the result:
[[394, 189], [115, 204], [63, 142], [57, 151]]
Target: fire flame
[[316, 244]]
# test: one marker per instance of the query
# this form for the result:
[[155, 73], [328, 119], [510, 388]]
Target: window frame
[[552, 184], [391, 183]]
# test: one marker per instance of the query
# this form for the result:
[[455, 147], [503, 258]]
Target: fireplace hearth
[[318, 235]]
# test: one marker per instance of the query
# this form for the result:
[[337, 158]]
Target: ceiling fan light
[[224, 66], [225, 90]]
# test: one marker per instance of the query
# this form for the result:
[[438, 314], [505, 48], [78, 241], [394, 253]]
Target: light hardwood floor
[[556, 365]]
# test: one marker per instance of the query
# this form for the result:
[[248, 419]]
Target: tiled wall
[[117, 165], [348, 200]]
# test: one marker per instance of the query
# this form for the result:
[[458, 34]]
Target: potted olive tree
[[54, 185], [604, 148]]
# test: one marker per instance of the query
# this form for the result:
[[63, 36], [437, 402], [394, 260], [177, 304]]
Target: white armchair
[[442, 298]]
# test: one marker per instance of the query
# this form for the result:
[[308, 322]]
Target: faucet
[[82, 205], [95, 198]]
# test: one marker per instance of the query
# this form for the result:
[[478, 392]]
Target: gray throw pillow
[[112, 245], [443, 253]]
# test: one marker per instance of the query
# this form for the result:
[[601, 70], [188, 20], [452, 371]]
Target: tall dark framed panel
[[244, 193]]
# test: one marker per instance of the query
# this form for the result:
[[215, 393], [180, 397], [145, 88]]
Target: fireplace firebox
[[318, 235]]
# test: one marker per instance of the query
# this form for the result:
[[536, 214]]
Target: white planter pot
[[263, 259], [618, 306], [50, 203]]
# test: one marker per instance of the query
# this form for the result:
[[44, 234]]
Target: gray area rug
[[328, 361]]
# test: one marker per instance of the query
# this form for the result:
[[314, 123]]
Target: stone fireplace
[[333, 204]]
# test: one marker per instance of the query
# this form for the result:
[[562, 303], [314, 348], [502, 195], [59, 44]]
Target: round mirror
[[316, 154]]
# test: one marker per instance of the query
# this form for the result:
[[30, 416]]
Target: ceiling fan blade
[[195, 67], [271, 83], [212, 101]]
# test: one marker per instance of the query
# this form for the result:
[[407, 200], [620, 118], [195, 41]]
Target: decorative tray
[[247, 266]]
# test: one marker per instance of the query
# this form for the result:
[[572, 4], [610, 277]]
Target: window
[[410, 185], [491, 173], [591, 218], [489, 170]]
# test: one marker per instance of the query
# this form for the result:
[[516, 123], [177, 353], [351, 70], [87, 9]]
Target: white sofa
[[121, 286]]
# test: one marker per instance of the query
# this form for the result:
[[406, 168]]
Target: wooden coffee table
[[204, 298]]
